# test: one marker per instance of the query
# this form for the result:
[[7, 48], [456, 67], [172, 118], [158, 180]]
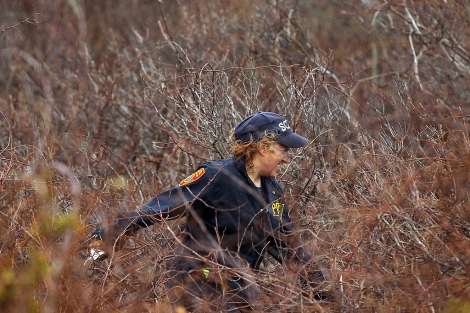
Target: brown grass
[[105, 103]]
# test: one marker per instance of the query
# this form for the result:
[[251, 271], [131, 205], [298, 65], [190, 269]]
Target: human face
[[273, 156]]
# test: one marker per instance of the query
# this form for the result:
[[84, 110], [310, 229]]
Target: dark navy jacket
[[226, 215]]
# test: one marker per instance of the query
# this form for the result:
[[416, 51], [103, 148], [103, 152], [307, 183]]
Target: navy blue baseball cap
[[254, 127]]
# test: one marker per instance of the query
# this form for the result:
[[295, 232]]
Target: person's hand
[[110, 239], [96, 251], [105, 241], [314, 283]]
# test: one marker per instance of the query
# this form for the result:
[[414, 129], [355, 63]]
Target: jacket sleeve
[[166, 205]]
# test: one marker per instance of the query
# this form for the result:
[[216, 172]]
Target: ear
[[263, 149]]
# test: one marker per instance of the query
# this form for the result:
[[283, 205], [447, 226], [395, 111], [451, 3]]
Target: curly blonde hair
[[246, 150]]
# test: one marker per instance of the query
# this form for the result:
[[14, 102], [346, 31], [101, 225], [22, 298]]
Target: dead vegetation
[[105, 103]]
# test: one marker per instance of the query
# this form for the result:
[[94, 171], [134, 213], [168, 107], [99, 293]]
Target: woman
[[235, 213]]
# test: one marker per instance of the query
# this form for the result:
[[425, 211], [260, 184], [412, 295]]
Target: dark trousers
[[211, 290]]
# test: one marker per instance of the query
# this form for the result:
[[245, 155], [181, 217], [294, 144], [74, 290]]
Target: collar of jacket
[[266, 182], [240, 164]]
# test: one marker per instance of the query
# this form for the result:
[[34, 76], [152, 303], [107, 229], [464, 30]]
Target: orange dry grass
[[106, 104]]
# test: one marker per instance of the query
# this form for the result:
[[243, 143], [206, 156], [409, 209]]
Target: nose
[[286, 158]]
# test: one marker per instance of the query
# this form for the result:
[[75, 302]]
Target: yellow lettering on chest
[[277, 208]]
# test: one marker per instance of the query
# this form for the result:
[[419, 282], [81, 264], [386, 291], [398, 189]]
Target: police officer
[[235, 214]]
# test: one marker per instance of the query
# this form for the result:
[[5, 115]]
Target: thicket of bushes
[[105, 103]]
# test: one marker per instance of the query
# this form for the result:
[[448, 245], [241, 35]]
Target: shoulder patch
[[193, 177]]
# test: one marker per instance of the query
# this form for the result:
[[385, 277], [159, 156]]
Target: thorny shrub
[[105, 103]]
